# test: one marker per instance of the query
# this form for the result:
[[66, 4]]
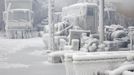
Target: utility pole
[[131, 34], [51, 24], [101, 20], [8, 7]]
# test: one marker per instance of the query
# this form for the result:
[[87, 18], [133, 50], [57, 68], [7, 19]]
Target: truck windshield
[[19, 16], [90, 11]]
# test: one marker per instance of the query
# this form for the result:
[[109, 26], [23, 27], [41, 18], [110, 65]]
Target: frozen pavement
[[23, 57]]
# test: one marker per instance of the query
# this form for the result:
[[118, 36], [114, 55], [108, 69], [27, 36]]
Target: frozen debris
[[122, 43], [84, 38], [91, 45], [114, 32], [62, 28], [114, 27], [118, 34], [111, 45], [84, 49], [130, 57], [57, 57]]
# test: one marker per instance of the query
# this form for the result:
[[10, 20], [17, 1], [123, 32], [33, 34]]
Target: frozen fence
[[92, 63]]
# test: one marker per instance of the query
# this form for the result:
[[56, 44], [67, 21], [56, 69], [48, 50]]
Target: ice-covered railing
[[122, 70], [95, 62], [127, 73], [101, 55]]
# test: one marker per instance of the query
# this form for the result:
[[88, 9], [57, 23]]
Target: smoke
[[125, 7]]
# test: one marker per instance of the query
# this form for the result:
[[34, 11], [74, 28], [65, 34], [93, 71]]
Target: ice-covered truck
[[83, 15], [18, 19]]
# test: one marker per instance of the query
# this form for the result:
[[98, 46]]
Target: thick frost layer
[[102, 55]]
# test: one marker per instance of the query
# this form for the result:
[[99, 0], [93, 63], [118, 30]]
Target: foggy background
[[40, 9]]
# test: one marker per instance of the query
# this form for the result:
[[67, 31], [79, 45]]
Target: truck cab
[[18, 18], [18, 22]]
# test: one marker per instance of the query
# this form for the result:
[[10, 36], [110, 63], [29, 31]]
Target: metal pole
[[101, 22], [51, 25]]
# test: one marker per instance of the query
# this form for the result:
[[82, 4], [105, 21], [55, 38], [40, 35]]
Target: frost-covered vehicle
[[80, 16], [18, 18], [19, 23], [83, 15]]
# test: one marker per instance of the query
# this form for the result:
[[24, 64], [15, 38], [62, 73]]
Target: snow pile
[[90, 44]]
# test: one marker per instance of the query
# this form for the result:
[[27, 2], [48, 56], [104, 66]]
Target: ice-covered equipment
[[18, 18], [82, 15]]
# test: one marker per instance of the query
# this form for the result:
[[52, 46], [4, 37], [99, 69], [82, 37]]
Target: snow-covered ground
[[13, 45], [26, 57]]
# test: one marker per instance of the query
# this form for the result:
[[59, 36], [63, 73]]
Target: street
[[26, 57]]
